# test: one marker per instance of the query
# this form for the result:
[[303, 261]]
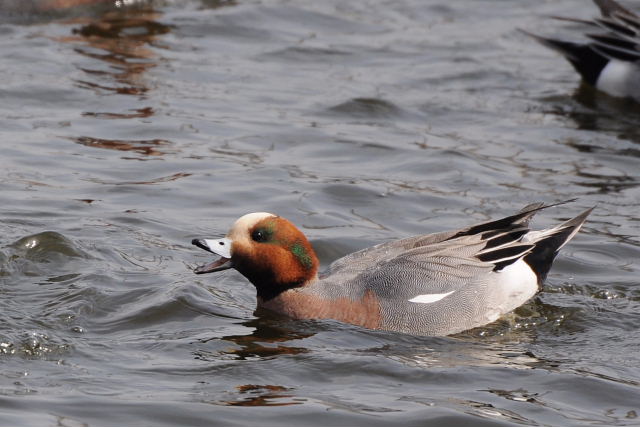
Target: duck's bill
[[220, 247], [217, 265]]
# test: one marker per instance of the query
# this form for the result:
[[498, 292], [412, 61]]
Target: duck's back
[[448, 282], [429, 285]]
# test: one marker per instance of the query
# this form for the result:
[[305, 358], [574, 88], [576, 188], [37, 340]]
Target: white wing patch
[[429, 298]]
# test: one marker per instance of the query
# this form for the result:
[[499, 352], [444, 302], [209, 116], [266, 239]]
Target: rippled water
[[126, 132]]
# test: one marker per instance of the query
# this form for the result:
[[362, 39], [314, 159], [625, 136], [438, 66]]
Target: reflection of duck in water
[[35, 6], [435, 284], [610, 60], [117, 44]]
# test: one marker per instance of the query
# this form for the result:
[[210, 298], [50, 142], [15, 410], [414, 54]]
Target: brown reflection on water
[[118, 47], [48, 5], [262, 395], [139, 113], [265, 341], [122, 40], [147, 147]]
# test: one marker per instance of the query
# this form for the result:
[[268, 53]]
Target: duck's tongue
[[220, 247], [218, 265]]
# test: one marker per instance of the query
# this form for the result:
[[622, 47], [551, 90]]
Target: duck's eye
[[259, 235]]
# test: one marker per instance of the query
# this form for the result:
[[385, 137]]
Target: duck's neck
[[267, 292]]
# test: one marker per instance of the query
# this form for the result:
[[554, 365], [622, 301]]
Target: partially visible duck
[[610, 60], [435, 284]]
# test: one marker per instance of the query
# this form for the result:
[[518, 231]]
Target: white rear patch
[[512, 286], [429, 298], [620, 78]]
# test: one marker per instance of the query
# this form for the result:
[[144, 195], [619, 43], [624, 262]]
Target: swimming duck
[[435, 284], [610, 60]]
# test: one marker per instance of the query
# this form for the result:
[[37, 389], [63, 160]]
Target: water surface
[[126, 132]]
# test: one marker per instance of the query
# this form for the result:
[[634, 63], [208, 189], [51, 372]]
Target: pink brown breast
[[298, 304]]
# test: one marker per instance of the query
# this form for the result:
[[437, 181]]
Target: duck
[[610, 60], [433, 285]]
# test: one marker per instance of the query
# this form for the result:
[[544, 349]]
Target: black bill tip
[[201, 244]]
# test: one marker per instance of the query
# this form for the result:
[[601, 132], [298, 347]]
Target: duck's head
[[267, 249]]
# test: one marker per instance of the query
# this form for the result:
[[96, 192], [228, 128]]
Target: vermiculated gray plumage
[[466, 263]]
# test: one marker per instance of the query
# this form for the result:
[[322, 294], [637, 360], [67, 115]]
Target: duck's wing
[[432, 269], [355, 263], [441, 268], [450, 282]]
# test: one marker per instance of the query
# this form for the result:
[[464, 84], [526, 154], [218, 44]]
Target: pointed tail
[[584, 59], [549, 242]]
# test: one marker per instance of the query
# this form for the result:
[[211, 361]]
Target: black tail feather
[[586, 61], [505, 256], [609, 7], [542, 255], [508, 223]]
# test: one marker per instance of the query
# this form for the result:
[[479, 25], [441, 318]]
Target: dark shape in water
[[367, 107]]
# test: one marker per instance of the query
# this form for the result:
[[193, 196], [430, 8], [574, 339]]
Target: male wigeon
[[435, 284], [610, 60]]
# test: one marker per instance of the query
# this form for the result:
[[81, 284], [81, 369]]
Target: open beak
[[220, 247]]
